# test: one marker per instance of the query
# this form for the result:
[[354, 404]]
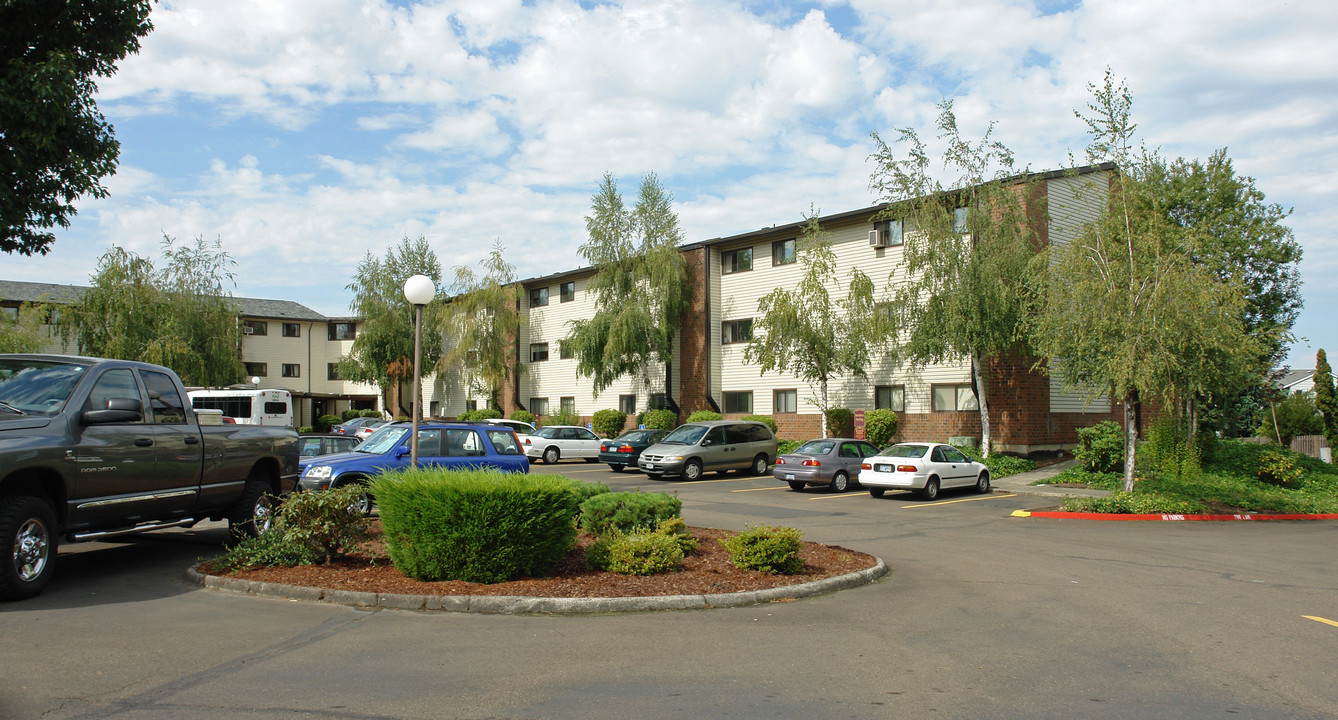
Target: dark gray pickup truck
[[92, 449]]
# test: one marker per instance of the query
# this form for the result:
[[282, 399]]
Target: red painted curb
[[1060, 515]]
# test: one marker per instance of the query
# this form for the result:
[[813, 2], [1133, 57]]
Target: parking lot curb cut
[[522, 605], [1165, 517]]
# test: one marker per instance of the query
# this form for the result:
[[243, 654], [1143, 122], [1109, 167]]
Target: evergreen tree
[[1325, 401]]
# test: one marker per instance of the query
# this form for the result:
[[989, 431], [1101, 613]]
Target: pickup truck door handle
[[191, 440], [144, 442]]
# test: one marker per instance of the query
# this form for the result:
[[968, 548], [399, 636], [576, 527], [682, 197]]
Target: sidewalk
[[1021, 483]]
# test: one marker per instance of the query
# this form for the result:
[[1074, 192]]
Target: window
[[255, 327], [538, 297], [539, 406], [892, 231], [11, 312], [785, 401], [332, 371], [627, 404], [954, 397], [538, 352], [434, 408], [471, 404], [739, 402], [732, 261], [504, 442], [292, 330], [276, 408], [164, 399], [890, 397], [463, 443], [292, 370], [659, 401], [959, 220], [568, 291], [114, 384], [564, 351], [343, 331], [736, 331], [782, 252], [257, 369], [567, 405]]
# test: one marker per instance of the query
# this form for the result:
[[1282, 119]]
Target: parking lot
[[983, 615]]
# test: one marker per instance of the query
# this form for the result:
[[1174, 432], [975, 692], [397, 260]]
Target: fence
[[1309, 444]]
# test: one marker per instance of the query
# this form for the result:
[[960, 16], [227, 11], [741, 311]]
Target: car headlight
[[672, 458], [317, 471]]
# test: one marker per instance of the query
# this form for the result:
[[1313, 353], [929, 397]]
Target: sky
[[304, 135]]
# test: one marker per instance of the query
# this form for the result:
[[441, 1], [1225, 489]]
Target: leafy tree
[[54, 143], [640, 286], [810, 333], [1294, 415], [181, 315], [24, 333], [382, 352], [963, 292], [1325, 401], [481, 323], [1128, 309]]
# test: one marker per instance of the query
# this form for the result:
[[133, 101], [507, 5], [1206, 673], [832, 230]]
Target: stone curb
[[521, 605]]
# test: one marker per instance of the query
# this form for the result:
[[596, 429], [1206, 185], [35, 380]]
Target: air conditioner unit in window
[[877, 238], [248, 331]]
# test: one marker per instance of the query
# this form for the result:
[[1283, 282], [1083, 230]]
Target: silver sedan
[[834, 462]]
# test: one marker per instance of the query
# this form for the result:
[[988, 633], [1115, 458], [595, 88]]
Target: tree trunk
[[982, 397], [1192, 437], [1130, 439], [822, 388]]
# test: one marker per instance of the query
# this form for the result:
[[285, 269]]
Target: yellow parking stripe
[[1320, 619], [950, 502], [759, 489], [834, 496]]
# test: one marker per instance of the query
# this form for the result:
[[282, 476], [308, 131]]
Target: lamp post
[[419, 291]]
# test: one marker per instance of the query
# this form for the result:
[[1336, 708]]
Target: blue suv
[[441, 445]]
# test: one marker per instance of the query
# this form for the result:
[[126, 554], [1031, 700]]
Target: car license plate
[[883, 468], [789, 476], [650, 466]]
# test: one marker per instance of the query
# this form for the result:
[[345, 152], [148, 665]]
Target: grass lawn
[[1228, 483]]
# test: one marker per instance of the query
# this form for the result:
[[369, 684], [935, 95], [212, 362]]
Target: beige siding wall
[[1074, 203]]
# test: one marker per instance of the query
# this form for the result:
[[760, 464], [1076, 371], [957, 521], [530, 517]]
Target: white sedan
[[554, 442], [923, 467]]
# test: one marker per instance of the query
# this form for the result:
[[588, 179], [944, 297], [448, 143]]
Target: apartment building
[[1030, 411], [285, 345]]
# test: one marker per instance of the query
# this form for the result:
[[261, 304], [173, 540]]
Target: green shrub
[[703, 416], [306, 429], [1000, 465], [764, 419], [468, 416], [1135, 503], [581, 491], [1278, 468], [840, 422], [488, 414], [766, 548], [625, 512], [476, 525], [349, 414], [1100, 447], [879, 426], [524, 416], [608, 423], [269, 549], [563, 419], [658, 419], [677, 529], [642, 553], [1167, 452], [370, 414], [328, 522], [325, 422], [784, 447]]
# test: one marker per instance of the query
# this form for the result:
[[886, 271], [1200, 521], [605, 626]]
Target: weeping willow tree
[[962, 291], [640, 286], [181, 315], [481, 323]]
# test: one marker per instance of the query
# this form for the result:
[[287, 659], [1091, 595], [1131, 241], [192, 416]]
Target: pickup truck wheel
[[28, 544], [253, 513]]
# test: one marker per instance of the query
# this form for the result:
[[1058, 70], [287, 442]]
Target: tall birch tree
[[481, 323], [963, 291]]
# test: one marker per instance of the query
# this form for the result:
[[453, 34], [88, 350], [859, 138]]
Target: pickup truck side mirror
[[118, 410]]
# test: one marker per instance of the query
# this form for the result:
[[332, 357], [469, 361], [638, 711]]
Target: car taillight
[[865, 466], [780, 461], [811, 463], [625, 448], [527, 441], [907, 468]]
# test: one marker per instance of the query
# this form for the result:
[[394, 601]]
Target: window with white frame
[[732, 261], [736, 331], [538, 352], [785, 401], [958, 398], [738, 402], [890, 397]]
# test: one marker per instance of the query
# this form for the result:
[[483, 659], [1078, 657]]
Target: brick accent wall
[[693, 362]]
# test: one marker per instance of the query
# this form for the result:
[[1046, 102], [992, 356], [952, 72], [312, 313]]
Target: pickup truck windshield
[[36, 387]]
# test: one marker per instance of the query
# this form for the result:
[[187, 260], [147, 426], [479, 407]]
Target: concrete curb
[[1167, 517], [521, 605]]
